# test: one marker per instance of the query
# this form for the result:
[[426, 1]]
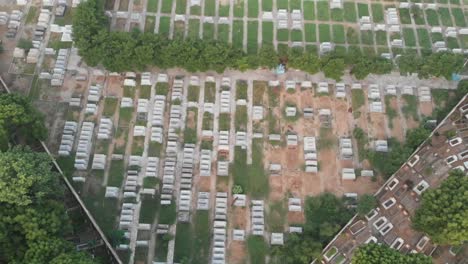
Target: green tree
[[18, 117], [25, 44], [333, 67], [416, 136], [443, 213], [297, 250], [409, 63], [72, 258], [366, 203], [381, 254], [267, 57], [26, 177]]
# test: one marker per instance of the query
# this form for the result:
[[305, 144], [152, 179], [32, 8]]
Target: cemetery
[[207, 166]]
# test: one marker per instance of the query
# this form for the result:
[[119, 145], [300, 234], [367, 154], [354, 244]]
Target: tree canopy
[[366, 203], [33, 219], [124, 51], [325, 215], [18, 117], [381, 254], [443, 213]]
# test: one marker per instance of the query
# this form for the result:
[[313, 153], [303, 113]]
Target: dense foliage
[[123, 51], [443, 213], [33, 220], [381, 254], [325, 215], [366, 203], [19, 118]]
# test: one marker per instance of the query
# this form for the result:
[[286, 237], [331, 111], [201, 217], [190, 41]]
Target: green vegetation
[[376, 253], [150, 182], [362, 140], [210, 92], [241, 118], [258, 249], [154, 149], [357, 99], [32, 14], [224, 121], [389, 110], [409, 37], [162, 88], [116, 173], [152, 6], [193, 93], [350, 14], [410, 109], [149, 207], [363, 9], [310, 7], [445, 17], [366, 203], [19, 121], [326, 140], [34, 219], [241, 89], [276, 216], [167, 214], [325, 215], [443, 211], [377, 13], [183, 242], [145, 92], [123, 51], [202, 237]]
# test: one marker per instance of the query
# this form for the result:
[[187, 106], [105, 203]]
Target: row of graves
[[13, 22]]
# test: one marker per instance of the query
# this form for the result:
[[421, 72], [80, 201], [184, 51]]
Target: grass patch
[[389, 110], [338, 34], [367, 37], [326, 139], [104, 210], [324, 33], [432, 17], [164, 26], [323, 11], [208, 30], [241, 118], [32, 15], [223, 33], [194, 28], [296, 35], [440, 97], [259, 88], [152, 6], [116, 173], [166, 7], [193, 93], [459, 17], [357, 99], [276, 216], [381, 37], [424, 39], [267, 32], [252, 34], [361, 140], [405, 17], [145, 92], [110, 105], [150, 24], [267, 5], [210, 6], [150, 182], [337, 14], [210, 92], [183, 242], [207, 123], [258, 249], [437, 37], [238, 8], [162, 88], [258, 180], [410, 109], [363, 9], [452, 43], [179, 30], [167, 214], [160, 250], [282, 34], [310, 32], [252, 8], [309, 8], [445, 16], [377, 13], [238, 32], [350, 14], [201, 237], [223, 10], [241, 89], [154, 149], [125, 116], [181, 6], [409, 37], [149, 207], [138, 146], [224, 121]]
